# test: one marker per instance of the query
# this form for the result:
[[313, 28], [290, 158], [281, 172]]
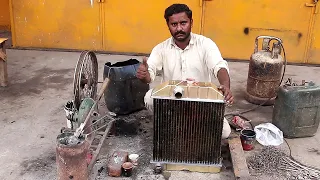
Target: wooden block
[[192, 168], [3, 64], [2, 40], [239, 162]]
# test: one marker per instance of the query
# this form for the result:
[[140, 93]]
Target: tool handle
[[101, 91], [265, 37], [103, 88]]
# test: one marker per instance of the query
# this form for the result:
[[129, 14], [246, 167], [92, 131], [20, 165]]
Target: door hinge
[[201, 2], [314, 4]]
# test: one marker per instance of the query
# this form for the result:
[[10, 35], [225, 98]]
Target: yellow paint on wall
[[138, 26], [314, 53], [234, 25], [57, 24], [4, 15]]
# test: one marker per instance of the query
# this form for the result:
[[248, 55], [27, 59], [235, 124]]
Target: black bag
[[125, 92]]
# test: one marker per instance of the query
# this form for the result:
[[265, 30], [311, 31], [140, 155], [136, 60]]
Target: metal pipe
[[178, 92]]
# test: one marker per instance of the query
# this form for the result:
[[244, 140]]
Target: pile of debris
[[274, 162]]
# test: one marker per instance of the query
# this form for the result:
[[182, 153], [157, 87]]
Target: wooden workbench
[[3, 63]]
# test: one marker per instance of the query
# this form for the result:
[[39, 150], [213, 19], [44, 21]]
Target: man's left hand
[[227, 94]]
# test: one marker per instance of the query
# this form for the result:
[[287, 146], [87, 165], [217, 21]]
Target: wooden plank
[[3, 64], [3, 56], [239, 162], [192, 168], [3, 40]]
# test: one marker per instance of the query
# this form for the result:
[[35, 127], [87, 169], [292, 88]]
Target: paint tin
[[127, 169], [247, 137]]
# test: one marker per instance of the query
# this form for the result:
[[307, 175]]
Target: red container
[[114, 166], [247, 137]]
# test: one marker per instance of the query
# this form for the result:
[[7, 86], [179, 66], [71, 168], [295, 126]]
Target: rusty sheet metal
[[71, 159]]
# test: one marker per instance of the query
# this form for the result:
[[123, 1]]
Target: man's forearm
[[223, 77]]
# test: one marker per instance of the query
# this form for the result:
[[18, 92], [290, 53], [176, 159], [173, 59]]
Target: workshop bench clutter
[[3, 63]]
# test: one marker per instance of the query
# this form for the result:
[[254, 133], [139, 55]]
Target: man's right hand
[[142, 72]]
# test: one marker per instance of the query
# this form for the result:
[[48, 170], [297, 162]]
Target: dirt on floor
[[134, 134]]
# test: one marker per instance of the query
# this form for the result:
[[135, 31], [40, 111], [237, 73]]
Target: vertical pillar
[[3, 63]]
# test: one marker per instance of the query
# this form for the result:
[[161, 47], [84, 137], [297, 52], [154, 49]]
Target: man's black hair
[[175, 9]]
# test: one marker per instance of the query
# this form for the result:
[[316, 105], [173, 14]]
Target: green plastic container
[[297, 110]]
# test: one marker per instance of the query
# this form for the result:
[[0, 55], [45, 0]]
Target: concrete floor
[[31, 111]]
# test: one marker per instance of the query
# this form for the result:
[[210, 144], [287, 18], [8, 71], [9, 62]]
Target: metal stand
[[81, 112]]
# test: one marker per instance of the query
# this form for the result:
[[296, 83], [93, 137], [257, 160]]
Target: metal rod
[[97, 151], [100, 119], [96, 130]]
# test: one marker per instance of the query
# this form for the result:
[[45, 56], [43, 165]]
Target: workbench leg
[[3, 68]]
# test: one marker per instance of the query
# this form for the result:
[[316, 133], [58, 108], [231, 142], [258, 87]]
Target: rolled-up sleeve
[[213, 59], [154, 62]]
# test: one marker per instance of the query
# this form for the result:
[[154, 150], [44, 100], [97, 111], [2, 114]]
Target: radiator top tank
[[297, 109], [188, 91]]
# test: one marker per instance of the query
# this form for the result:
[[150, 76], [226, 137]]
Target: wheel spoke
[[85, 78]]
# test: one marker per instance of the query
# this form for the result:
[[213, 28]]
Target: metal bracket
[[314, 4], [201, 2]]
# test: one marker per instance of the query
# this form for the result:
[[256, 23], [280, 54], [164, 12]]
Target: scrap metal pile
[[275, 162]]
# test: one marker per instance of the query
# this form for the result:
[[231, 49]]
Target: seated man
[[186, 56]]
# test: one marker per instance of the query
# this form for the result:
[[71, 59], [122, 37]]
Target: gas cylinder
[[265, 73]]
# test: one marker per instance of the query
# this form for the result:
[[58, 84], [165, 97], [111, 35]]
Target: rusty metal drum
[[71, 158], [265, 72]]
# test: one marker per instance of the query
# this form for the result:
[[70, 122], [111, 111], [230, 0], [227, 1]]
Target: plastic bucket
[[247, 137]]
